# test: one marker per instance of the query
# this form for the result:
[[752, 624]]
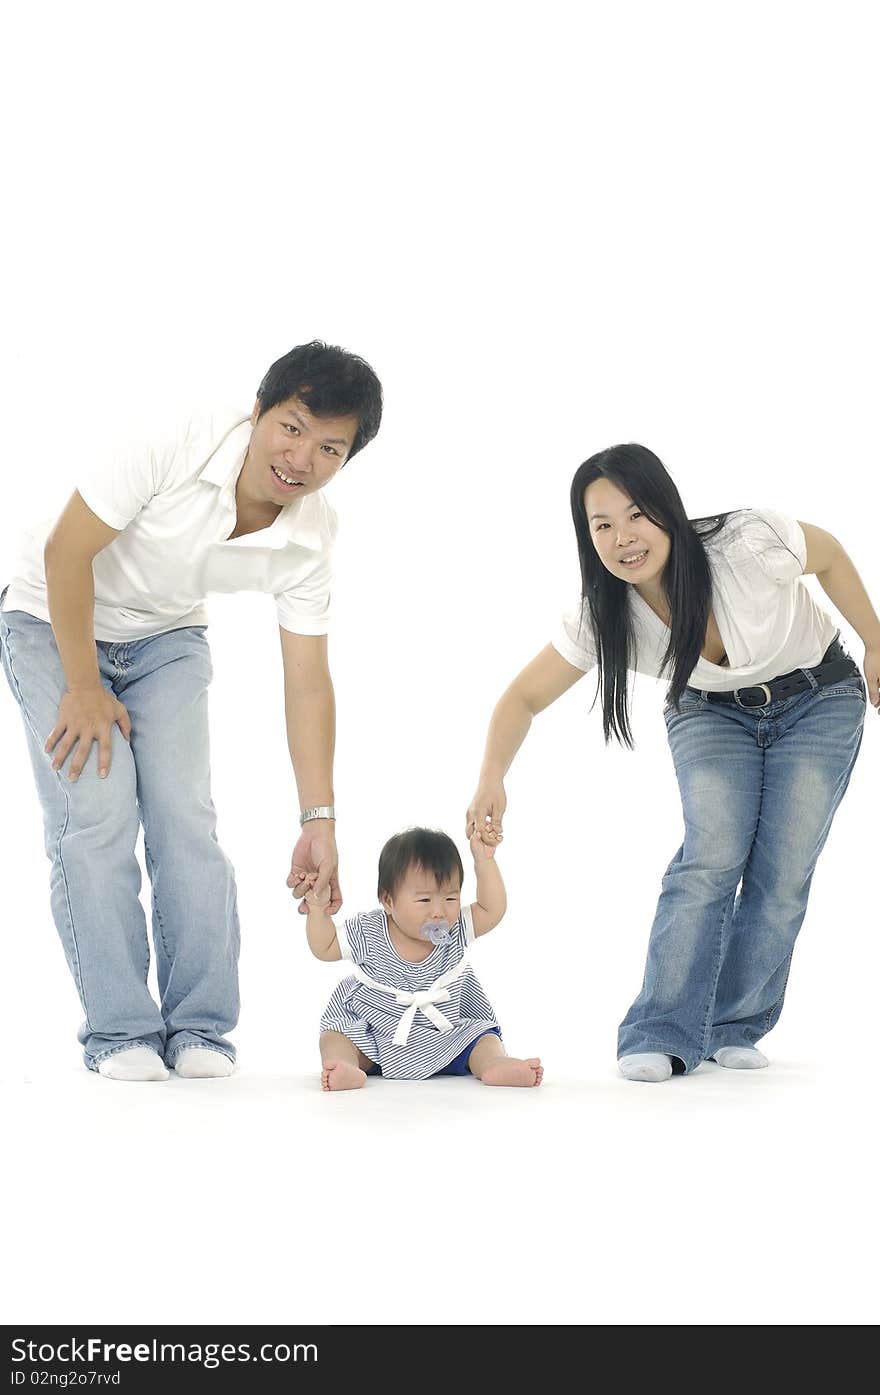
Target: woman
[[102, 638], [764, 716]]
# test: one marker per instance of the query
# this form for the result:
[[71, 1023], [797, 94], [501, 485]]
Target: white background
[[549, 229]]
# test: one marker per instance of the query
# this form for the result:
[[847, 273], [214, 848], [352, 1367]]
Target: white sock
[[133, 1063], [201, 1063], [740, 1058], [646, 1065]]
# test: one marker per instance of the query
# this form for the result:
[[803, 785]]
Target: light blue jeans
[[162, 780], [759, 790]]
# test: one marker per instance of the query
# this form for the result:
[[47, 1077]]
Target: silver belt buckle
[[747, 706]]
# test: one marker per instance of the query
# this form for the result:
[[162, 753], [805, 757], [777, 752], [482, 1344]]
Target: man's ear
[[255, 413]]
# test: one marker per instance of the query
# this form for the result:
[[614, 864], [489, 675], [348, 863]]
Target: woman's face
[[629, 545]]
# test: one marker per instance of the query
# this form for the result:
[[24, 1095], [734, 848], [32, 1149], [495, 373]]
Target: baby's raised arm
[[491, 902], [320, 930]]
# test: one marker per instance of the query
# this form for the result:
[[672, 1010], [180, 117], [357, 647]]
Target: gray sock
[[740, 1058], [646, 1065]]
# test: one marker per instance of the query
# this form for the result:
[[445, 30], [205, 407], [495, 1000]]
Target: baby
[[412, 1007]]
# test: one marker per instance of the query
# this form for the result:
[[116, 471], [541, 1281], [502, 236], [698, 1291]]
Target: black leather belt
[[836, 664]]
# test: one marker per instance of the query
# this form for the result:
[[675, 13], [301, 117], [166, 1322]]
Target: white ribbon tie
[[421, 1002]]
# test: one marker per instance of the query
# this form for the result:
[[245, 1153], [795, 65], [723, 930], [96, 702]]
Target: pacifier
[[436, 931]]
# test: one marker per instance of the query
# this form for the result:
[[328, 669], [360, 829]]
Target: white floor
[[721, 1198]]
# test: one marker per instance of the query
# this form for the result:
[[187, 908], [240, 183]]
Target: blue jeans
[[759, 790], [91, 826]]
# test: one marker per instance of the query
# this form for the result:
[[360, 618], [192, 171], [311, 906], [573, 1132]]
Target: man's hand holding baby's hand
[[319, 900], [315, 853], [483, 844]]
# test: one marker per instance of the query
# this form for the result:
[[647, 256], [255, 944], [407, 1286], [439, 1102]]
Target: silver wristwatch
[[320, 811]]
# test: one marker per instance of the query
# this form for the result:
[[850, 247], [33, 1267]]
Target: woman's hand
[[486, 813], [483, 845], [84, 716], [872, 676]]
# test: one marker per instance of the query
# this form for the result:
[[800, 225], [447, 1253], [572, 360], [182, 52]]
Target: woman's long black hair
[[686, 581]]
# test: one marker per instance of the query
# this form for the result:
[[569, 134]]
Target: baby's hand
[[483, 844], [319, 900]]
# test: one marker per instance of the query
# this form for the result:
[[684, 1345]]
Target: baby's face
[[419, 901]]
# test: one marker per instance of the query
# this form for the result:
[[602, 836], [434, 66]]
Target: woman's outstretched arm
[[539, 684]]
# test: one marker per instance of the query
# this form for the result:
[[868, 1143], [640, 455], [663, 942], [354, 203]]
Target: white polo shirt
[[768, 621], [174, 500]]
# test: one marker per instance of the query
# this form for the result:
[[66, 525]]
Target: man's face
[[292, 452]]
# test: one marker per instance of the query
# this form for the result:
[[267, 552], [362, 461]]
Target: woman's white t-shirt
[[768, 621]]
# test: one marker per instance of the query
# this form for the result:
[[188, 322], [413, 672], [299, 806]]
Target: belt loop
[[808, 674]]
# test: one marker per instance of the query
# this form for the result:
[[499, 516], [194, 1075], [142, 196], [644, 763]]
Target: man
[[102, 641]]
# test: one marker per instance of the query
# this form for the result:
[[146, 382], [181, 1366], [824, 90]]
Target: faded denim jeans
[[162, 780], [759, 789]]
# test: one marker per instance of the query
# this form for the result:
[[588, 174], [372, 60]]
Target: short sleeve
[[574, 639], [351, 940], [467, 925], [777, 544], [304, 604], [304, 609], [124, 479]]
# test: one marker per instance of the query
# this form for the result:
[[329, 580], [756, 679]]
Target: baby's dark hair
[[427, 848]]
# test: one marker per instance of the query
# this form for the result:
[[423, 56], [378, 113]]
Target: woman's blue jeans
[[162, 780], [759, 789]]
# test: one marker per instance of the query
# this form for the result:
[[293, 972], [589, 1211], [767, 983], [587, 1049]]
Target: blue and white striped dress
[[370, 1018]]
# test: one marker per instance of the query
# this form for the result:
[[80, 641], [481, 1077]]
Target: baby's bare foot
[[508, 1070], [340, 1075]]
